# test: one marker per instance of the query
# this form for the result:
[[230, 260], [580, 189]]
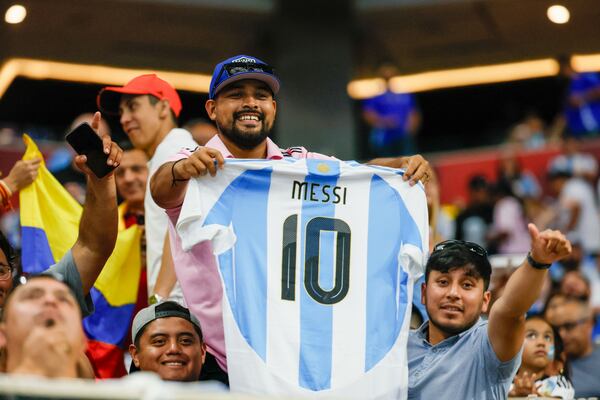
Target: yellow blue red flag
[[50, 223]]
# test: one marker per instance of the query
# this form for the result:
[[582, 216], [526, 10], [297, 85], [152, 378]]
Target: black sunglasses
[[235, 68], [471, 246]]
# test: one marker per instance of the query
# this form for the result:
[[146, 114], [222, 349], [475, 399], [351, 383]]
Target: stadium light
[[99, 74], [15, 14], [558, 14], [480, 75]]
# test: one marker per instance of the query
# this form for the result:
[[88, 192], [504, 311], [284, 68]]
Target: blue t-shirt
[[584, 374], [463, 366], [396, 106], [586, 118]]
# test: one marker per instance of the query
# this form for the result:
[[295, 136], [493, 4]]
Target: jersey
[[318, 259]]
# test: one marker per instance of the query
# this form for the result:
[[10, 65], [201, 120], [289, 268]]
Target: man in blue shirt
[[582, 104], [458, 355], [393, 118]]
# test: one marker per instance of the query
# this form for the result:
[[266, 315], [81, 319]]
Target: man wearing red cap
[[148, 108]]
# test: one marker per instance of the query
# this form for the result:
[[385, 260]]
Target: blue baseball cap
[[242, 67]]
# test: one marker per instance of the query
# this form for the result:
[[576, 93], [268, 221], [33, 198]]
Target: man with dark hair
[[574, 321], [167, 339], [473, 222], [456, 350]]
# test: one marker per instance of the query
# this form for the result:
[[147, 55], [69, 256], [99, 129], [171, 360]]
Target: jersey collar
[[273, 151]]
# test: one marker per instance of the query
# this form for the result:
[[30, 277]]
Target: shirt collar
[[273, 151]]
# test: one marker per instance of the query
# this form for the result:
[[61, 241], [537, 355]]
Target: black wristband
[[173, 179], [535, 264]]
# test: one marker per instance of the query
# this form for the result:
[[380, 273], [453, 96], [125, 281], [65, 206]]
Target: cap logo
[[244, 60]]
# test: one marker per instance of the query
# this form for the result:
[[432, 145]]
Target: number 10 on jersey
[[311, 256]]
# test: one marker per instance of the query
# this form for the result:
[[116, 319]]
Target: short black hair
[[459, 254], [153, 100]]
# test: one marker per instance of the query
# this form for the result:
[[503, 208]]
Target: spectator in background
[[576, 209], [529, 133], [202, 130], [167, 339], [148, 108], [542, 371], [473, 222], [574, 322], [579, 164], [394, 119], [21, 174], [581, 113], [575, 285], [508, 231], [132, 177]]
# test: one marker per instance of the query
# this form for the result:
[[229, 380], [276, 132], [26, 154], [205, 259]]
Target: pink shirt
[[197, 270]]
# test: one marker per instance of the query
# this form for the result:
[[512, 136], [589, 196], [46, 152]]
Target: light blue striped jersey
[[318, 259]]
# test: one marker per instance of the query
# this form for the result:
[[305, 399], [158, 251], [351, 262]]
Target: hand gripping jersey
[[318, 259]]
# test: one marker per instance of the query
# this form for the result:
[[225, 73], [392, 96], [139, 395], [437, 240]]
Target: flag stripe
[[108, 324], [245, 269], [384, 302], [35, 255], [316, 320]]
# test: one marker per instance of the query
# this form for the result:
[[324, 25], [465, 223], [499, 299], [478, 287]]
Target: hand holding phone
[[86, 142]]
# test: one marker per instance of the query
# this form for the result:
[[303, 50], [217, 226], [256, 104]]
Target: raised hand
[[549, 245], [22, 174], [111, 149]]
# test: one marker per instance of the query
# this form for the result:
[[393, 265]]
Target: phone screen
[[85, 141]]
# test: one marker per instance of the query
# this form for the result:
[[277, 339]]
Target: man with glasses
[[456, 354], [242, 105], [574, 321]]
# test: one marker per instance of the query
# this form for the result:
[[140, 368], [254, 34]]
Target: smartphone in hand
[[86, 142]]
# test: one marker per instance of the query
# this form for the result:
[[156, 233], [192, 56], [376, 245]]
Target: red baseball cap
[[109, 97]]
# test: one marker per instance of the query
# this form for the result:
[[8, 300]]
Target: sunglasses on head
[[471, 246], [235, 68]]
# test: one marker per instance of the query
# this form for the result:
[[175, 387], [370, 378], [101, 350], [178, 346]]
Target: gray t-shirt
[[463, 366], [585, 375], [68, 270]]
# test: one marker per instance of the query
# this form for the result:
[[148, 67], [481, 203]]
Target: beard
[[452, 330], [245, 140]]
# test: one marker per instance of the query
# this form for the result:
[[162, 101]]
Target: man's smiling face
[[172, 348], [244, 112]]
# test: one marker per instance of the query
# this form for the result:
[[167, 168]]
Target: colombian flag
[[50, 223]]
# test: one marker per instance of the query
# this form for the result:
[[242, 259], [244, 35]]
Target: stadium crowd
[[472, 332]]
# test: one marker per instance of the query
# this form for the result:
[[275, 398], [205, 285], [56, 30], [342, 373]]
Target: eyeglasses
[[5, 272], [569, 326], [235, 68], [471, 246]]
